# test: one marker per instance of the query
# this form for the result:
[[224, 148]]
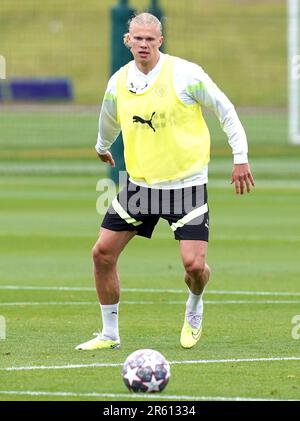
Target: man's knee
[[102, 255], [194, 266]]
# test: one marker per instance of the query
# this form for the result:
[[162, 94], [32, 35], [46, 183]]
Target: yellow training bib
[[164, 139]]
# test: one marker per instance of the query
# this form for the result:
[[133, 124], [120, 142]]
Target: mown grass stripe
[[94, 365], [74, 303]]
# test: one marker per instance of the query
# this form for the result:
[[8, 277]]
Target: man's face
[[145, 41]]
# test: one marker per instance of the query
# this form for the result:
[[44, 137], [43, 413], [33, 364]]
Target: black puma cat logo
[[137, 119]]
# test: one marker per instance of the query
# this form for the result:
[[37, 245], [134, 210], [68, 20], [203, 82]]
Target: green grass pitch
[[48, 175]]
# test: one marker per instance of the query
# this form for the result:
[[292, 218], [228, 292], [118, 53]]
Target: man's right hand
[[107, 157]]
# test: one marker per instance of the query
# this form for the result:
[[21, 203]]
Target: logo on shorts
[[138, 119]]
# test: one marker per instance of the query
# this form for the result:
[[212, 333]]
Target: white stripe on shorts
[[123, 214], [189, 217]]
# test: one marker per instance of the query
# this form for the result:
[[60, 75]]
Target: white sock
[[194, 310], [194, 303], [110, 321]]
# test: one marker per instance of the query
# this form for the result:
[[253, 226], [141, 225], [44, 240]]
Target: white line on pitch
[[150, 396], [151, 290], [222, 361], [135, 396], [240, 302], [47, 303], [69, 303], [87, 303]]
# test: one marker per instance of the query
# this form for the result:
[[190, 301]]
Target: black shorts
[[139, 209]]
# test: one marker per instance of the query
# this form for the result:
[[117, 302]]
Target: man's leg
[[193, 254], [106, 252], [105, 256], [197, 272]]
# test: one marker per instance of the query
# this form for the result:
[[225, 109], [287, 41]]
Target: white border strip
[[154, 290], [222, 361], [150, 396]]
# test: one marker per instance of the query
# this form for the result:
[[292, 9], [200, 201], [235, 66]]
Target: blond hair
[[141, 19]]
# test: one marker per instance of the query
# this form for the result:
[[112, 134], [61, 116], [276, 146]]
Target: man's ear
[[127, 40]]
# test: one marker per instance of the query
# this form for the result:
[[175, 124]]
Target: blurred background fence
[[240, 43]]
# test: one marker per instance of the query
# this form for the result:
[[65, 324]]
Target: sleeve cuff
[[100, 151], [240, 158]]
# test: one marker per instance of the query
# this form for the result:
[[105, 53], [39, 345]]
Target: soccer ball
[[146, 370]]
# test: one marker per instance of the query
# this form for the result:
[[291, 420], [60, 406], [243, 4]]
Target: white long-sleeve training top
[[204, 91]]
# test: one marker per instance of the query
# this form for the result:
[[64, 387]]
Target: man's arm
[[109, 127], [203, 90]]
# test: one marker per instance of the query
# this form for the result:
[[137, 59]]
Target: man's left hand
[[241, 176]]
